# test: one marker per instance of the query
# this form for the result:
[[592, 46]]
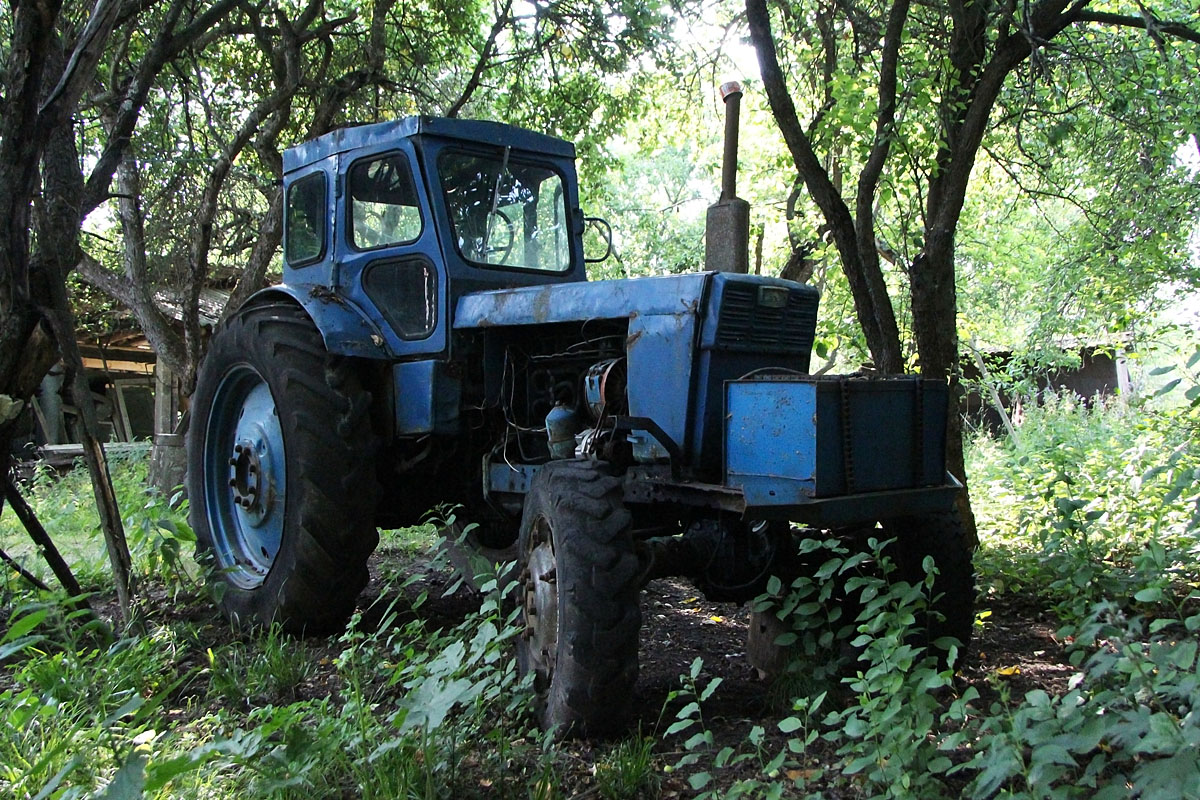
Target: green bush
[[160, 541], [1069, 512]]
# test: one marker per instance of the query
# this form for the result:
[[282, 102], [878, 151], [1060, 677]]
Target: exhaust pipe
[[727, 225]]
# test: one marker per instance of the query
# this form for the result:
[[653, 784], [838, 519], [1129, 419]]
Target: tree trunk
[[867, 286]]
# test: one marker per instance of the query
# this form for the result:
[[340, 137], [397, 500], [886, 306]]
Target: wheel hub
[[540, 584], [249, 483], [247, 468]]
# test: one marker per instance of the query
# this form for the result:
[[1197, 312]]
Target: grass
[[1073, 511], [159, 538], [1094, 512]]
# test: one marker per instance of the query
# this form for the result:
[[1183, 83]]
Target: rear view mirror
[[604, 231]]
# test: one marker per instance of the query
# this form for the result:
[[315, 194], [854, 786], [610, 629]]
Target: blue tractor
[[435, 340]]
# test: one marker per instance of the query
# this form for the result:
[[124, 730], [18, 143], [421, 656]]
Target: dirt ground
[[1015, 647]]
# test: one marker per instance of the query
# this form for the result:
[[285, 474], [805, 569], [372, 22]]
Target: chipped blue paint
[[771, 441]]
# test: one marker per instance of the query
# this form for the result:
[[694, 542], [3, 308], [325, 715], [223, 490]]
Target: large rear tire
[[942, 536], [579, 591], [281, 472]]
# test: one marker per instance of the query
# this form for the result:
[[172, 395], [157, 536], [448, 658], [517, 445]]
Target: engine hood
[[569, 302]]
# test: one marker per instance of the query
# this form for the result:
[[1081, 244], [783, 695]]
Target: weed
[[627, 771], [268, 670]]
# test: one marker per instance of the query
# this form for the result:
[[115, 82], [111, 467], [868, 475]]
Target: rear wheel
[[579, 591], [942, 536], [281, 472]]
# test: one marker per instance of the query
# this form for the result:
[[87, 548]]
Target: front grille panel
[[744, 324]]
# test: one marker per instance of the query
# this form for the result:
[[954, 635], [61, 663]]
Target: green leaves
[[18, 636]]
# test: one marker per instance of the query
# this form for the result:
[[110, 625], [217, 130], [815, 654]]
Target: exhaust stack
[[727, 226]]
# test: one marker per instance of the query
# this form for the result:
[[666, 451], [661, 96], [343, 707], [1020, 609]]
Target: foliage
[[1123, 582], [628, 770], [270, 668], [1093, 503], [431, 713], [160, 539], [414, 706], [1127, 726]]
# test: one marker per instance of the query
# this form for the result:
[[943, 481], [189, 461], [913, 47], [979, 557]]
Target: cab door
[[387, 258]]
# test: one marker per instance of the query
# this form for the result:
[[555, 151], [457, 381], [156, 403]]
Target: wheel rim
[[245, 477], [539, 581]]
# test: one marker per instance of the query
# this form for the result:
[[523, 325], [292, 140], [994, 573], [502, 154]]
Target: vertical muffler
[[727, 226]]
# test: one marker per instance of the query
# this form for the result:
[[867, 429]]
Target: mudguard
[[344, 326]]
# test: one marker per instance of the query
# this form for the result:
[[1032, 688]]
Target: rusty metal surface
[[771, 440], [573, 302], [653, 485]]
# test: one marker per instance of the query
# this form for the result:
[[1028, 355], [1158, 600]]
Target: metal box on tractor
[[435, 340]]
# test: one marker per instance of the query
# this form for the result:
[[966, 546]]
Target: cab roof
[[475, 131]]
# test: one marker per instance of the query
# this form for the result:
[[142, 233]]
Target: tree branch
[[37, 533], [502, 19], [167, 45], [875, 313], [1176, 29], [81, 67]]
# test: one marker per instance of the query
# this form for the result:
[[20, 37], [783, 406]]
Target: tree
[[201, 208], [51, 62], [915, 88], [137, 100]]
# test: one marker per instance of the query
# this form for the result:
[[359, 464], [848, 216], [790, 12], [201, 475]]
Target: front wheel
[[579, 591], [281, 472]]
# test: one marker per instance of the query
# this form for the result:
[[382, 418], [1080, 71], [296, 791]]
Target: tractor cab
[[397, 220]]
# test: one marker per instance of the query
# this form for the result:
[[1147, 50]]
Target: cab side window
[[304, 223], [383, 203]]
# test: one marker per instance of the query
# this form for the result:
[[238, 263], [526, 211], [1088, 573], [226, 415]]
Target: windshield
[[506, 212]]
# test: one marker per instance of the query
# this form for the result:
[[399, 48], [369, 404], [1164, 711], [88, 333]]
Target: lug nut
[[550, 576], [233, 462], [233, 482], [237, 448], [527, 633], [252, 469]]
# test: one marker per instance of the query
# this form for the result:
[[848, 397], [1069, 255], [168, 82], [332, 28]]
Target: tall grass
[[1092, 502], [159, 538]]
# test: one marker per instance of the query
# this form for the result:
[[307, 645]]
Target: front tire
[[281, 472], [579, 592]]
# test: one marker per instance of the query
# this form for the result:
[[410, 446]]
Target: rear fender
[[347, 331]]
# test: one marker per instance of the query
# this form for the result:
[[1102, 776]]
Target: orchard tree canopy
[[905, 95], [164, 124]]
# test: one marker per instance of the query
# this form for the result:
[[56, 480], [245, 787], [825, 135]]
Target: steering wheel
[[499, 239]]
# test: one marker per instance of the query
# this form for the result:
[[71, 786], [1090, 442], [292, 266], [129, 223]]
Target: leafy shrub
[[1128, 726], [889, 717], [1069, 512]]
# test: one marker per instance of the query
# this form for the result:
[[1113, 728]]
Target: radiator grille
[[744, 324]]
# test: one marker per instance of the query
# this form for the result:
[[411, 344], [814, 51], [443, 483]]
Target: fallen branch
[[58, 564], [32, 579]]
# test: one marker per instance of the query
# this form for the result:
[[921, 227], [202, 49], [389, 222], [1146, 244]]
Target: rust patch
[[632, 339], [326, 295], [541, 306]]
